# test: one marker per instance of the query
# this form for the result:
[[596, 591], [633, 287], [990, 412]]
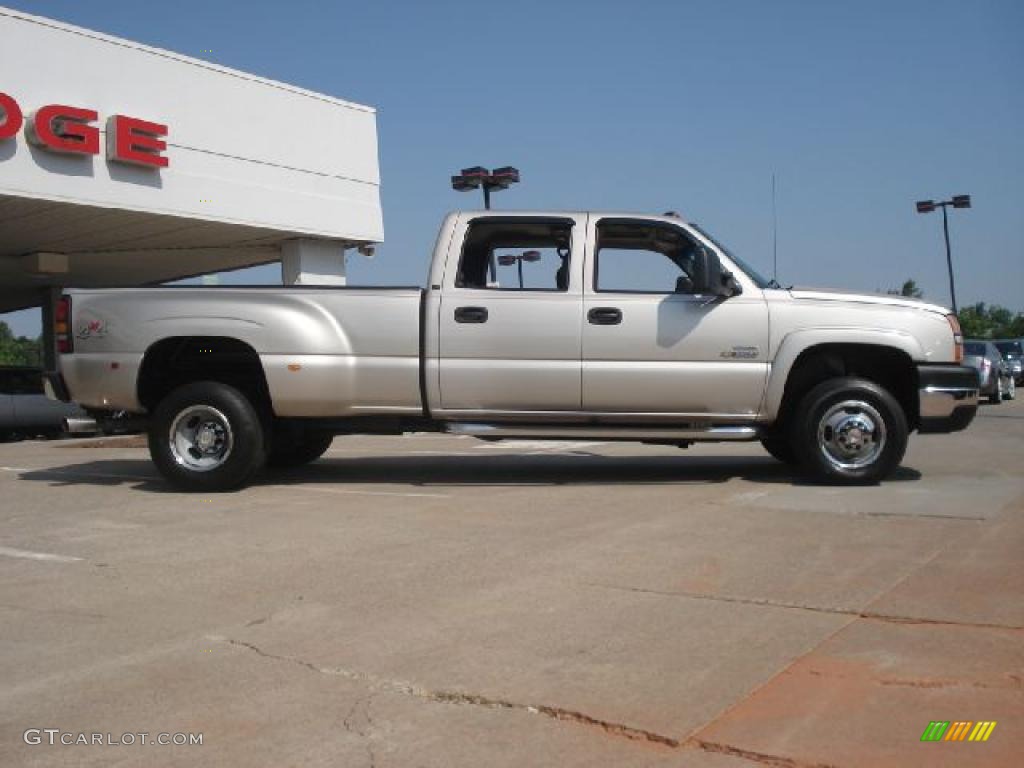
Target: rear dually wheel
[[206, 436]]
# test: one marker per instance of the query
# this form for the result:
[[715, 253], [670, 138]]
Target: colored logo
[[959, 730], [94, 329]]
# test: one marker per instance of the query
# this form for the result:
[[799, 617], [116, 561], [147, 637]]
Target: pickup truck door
[[650, 345], [506, 345]]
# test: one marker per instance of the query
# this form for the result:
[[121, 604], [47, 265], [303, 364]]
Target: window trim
[[647, 222], [568, 222]]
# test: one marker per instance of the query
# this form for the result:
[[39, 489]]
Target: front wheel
[[781, 449], [996, 397], [294, 449], [206, 436], [850, 431], [1011, 390]]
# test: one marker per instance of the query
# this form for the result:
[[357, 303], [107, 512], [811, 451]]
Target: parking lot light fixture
[[479, 177], [508, 259], [927, 206]]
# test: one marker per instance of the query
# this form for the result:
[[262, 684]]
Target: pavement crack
[[348, 722], [926, 515], [557, 713], [384, 685], [768, 603], [761, 758], [942, 684], [613, 729], [894, 619], [260, 652], [922, 683], [364, 732]]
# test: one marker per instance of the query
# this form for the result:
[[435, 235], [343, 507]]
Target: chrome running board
[[691, 432]]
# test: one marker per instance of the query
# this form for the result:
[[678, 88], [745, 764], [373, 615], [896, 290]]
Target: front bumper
[[947, 397]]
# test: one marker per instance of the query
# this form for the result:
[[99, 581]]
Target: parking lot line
[[24, 554], [345, 492]]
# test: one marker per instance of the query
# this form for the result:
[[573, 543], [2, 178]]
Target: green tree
[[910, 289], [990, 321], [19, 350]]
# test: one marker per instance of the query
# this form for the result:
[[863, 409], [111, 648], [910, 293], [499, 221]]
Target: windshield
[[1009, 348], [749, 271]]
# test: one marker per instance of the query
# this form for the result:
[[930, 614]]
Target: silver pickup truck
[[542, 325]]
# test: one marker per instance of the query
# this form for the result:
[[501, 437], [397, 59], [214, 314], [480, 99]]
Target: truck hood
[[856, 297]]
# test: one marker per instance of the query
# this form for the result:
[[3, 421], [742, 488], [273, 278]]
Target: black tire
[[215, 409], [860, 443], [781, 448], [295, 448]]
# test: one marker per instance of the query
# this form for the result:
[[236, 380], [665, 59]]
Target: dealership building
[[122, 164]]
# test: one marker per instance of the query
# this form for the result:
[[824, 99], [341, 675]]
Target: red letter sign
[[11, 113], [137, 142], [64, 129]]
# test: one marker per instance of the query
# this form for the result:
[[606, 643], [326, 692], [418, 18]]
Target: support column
[[312, 262], [48, 298]]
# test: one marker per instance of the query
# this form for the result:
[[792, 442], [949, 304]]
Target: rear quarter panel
[[325, 351]]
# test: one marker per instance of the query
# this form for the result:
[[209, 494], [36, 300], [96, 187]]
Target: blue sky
[[859, 108]]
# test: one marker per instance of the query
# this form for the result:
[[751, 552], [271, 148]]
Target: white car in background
[[997, 383], [1012, 351], [25, 411]]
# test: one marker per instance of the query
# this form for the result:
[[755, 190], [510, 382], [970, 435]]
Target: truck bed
[[326, 351]]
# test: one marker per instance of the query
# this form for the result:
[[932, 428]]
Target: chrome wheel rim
[[201, 438], [851, 435]]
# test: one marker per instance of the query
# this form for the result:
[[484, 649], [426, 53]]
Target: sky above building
[[859, 109]]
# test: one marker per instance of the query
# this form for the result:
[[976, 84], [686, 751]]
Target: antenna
[[775, 236]]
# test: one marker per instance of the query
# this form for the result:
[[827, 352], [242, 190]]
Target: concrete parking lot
[[438, 601]]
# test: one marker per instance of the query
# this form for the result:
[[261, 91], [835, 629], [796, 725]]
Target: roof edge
[[181, 58]]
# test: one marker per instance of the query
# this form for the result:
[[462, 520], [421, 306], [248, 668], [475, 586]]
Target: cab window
[[644, 257], [516, 254]]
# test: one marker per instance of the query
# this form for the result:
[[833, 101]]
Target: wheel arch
[[177, 360], [805, 360]]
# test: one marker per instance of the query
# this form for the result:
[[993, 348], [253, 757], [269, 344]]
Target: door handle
[[605, 316], [471, 314]]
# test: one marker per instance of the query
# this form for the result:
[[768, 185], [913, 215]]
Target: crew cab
[[557, 325]]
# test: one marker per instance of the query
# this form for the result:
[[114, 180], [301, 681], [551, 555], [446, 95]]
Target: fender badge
[[94, 329], [743, 353]]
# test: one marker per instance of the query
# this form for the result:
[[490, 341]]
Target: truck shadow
[[579, 469]]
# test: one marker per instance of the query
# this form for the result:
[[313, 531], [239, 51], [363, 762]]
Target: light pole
[[477, 176], [927, 206], [508, 259]]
